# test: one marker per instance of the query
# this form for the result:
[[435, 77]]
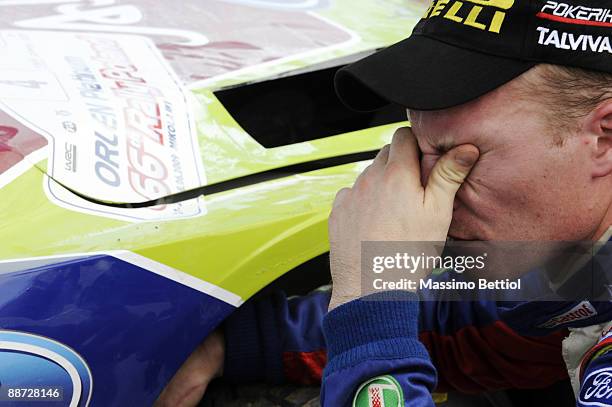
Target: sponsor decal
[[581, 15], [574, 42], [575, 15], [486, 15], [71, 157], [200, 44], [116, 117], [35, 368], [382, 391], [584, 310], [597, 388]]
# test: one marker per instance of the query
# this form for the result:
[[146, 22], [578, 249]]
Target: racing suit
[[387, 350]]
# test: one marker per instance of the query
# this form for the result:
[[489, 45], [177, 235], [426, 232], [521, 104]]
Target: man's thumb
[[449, 173]]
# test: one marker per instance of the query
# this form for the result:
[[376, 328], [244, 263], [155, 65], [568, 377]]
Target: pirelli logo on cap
[[486, 15]]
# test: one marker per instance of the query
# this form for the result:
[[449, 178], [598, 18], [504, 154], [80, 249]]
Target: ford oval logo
[[597, 388], [35, 368]]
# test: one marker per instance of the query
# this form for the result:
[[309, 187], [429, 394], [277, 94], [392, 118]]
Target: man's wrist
[[337, 300], [343, 298], [381, 325]]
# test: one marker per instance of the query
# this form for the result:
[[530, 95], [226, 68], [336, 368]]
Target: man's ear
[[600, 126]]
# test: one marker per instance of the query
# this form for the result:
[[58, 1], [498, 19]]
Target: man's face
[[524, 187]]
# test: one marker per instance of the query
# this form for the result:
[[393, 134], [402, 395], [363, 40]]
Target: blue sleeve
[[374, 354], [274, 339]]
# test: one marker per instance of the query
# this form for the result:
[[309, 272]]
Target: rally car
[[161, 163]]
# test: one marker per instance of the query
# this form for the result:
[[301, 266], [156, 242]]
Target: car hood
[[116, 104]]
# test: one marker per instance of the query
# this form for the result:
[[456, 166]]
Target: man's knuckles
[[341, 196], [396, 171], [364, 183], [402, 133], [382, 156]]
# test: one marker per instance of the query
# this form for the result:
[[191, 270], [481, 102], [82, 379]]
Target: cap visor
[[421, 73]]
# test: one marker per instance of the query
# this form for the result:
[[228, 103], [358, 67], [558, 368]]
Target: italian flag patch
[[382, 391]]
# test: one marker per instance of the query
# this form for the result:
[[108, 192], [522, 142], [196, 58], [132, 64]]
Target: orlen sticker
[[115, 115]]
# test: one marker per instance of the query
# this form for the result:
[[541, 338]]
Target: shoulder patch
[[381, 391], [597, 388]]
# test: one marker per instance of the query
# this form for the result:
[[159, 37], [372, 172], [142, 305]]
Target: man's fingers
[[334, 221], [340, 195], [381, 158], [449, 173], [376, 168], [405, 150]]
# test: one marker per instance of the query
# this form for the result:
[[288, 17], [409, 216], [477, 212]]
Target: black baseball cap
[[462, 49]]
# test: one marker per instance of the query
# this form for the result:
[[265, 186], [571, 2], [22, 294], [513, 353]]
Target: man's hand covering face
[[388, 203]]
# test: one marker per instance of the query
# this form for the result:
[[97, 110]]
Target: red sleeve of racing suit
[[476, 347]]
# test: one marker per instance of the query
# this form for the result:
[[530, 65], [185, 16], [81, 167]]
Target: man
[[511, 110]]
